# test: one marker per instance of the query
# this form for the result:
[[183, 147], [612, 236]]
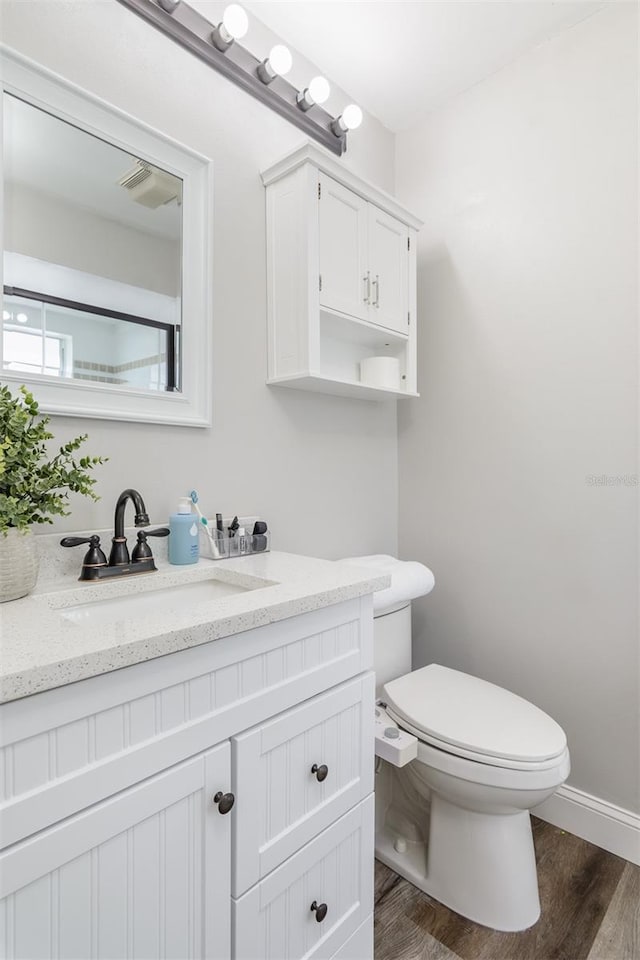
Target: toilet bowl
[[485, 758], [455, 820]]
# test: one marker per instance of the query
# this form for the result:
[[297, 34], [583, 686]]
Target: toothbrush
[[203, 519]]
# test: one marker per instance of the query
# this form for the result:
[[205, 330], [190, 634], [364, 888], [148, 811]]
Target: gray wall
[[322, 470], [528, 374]]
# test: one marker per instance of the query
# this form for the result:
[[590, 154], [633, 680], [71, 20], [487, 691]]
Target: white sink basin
[[152, 603]]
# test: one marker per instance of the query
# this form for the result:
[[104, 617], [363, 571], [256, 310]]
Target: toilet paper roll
[[381, 372]]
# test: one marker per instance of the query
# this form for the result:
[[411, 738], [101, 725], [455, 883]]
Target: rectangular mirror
[[106, 257]]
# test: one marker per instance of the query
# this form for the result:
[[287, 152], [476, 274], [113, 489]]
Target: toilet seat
[[467, 717], [489, 775]]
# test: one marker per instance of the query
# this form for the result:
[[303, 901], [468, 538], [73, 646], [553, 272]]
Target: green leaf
[[34, 486]]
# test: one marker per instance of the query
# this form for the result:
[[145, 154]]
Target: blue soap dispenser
[[183, 541]]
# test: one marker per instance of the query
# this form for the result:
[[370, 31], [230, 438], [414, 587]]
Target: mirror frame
[[192, 406]]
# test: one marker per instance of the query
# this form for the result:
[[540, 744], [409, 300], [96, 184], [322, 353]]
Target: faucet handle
[[142, 550], [94, 556], [76, 541]]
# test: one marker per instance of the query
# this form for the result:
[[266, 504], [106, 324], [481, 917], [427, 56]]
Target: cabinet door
[[144, 874], [389, 266], [278, 918], [282, 802], [343, 249]]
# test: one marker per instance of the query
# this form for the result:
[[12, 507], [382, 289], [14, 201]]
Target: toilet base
[[480, 865]]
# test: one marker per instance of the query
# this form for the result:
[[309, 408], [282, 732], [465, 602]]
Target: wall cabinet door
[[364, 258], [389, 266], [343, 249], [144, 874]]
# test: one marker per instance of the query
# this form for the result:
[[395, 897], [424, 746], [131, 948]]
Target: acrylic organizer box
[[239, 546]]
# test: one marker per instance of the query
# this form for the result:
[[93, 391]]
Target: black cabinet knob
[[320, 771], [225, 801], [320, 910]]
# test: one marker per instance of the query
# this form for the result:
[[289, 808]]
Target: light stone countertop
[[41, 649]]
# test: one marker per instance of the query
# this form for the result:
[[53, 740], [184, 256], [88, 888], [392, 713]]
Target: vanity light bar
[[194, 32]]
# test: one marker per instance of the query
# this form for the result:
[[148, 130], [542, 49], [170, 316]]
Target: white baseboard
[[598, 821]]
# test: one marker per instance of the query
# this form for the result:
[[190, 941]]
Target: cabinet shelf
[[341, 388]]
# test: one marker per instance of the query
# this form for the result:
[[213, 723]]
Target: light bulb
[[235, 24], [6, 315], [319, 89], [22, 318], [280, 59], [350, 119], [235, 21], [277, 64], [317, 92], [352, 116]]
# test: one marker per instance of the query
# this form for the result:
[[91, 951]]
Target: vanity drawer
[[274, 920], [298, 773]]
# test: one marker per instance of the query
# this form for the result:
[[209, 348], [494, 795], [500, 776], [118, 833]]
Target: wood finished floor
[[590, 911]]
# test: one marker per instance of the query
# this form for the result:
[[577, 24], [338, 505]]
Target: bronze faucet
[[120, 564]]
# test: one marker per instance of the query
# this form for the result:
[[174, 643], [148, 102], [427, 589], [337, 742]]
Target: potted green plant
[[34, 486]]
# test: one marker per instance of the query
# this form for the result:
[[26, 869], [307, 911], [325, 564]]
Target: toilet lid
[[464, 714]]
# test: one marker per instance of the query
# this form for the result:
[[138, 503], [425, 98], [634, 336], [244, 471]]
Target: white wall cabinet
[[341, 276], [113, 842]]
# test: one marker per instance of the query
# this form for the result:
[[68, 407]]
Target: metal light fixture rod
[[193, 31]]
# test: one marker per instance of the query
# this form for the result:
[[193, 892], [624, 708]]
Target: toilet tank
[[391, 645]]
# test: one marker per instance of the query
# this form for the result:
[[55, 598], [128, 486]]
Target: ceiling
[[53, 157], [400, 59]]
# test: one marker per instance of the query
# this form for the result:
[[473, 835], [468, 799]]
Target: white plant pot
[[18, 564]]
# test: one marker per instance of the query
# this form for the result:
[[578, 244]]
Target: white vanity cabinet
[[341, 278], [117, 841]]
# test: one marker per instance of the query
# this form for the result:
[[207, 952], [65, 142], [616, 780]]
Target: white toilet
[[455, 820]]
